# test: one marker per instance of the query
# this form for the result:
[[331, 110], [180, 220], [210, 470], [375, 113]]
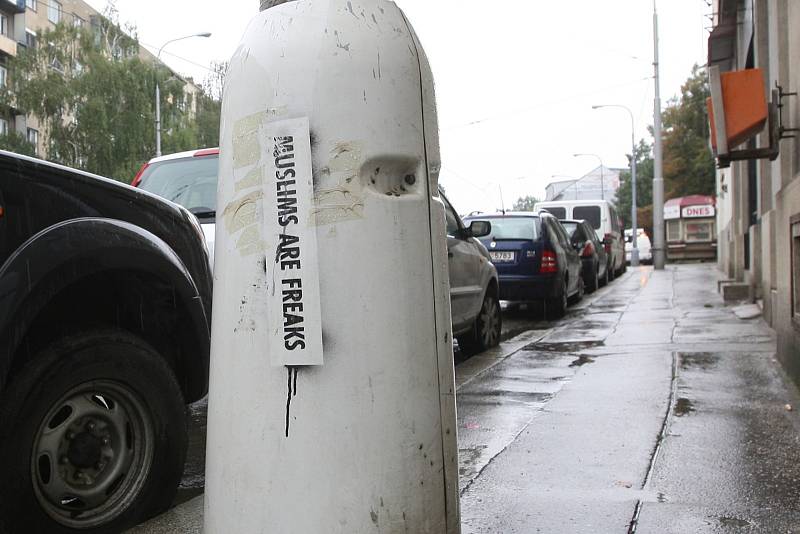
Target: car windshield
[[190, 182], [590, 214], [514, 228]]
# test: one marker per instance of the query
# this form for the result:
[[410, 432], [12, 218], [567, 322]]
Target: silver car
[[474, 291]]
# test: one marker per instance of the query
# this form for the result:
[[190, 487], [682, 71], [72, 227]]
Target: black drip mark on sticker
[[291, 393]]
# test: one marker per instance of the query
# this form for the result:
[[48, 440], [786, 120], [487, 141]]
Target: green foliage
[[14, 142], [95, 100], [525, 203], [688, 163], [644, 183]]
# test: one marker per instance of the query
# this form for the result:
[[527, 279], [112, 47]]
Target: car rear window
[[515, 228], [570, 227], [558, 213], [190, 182], [590, 214]]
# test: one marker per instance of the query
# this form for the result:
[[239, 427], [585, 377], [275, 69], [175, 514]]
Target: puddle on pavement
[[582, 360], [733, 522], [565, 346], [704, 361], [683, 406]]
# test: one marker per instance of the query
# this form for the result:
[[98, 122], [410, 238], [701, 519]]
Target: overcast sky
[[515, 79]]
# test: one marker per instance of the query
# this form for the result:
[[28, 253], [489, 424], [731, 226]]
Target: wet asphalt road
[[649, 408]]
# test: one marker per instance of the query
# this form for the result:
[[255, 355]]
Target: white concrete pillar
[[348, 425]]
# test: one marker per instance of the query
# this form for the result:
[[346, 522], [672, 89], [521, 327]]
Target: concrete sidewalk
[[650, 408]]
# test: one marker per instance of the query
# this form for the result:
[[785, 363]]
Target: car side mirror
[[480, 228]]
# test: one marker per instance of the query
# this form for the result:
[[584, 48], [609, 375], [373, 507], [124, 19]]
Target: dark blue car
[[535, 260]]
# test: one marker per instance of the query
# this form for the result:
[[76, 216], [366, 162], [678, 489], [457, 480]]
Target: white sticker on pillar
[[295, 336]]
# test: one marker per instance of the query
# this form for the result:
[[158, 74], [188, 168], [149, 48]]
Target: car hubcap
[[92, 454], [489, 322]]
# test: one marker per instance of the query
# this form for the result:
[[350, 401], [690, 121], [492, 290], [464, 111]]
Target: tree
[[93, 98], [525, 203], [644, 184], [688, 163]]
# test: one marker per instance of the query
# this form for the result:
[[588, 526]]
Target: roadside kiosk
[[691, 226]]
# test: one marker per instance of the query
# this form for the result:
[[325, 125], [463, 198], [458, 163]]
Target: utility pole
[[634, 206], [659, 252]]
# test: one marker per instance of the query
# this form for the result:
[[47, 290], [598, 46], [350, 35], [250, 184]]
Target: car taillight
[[138, 179], [549, 262], [588, 250], [607, 239]]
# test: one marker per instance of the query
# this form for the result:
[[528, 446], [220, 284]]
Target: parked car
[[642, 242], [605, 220], [474, 291], [592, 252], [534, 258], [105, 307], [189, 179]]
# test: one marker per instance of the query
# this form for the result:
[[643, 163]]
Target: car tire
[[610, 271], [594, 281], [93, 436], [556, 307], [485, 332], [578, 296]]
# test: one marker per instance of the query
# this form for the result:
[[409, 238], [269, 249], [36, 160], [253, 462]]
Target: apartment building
[[21, 24], [758, 215], [601, 182]]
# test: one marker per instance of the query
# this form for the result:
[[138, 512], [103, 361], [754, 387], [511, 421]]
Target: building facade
[[758, 200], [22, 22], [600, 183]]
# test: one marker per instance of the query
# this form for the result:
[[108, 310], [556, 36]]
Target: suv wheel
[[556, 307], [93, 436], [488, 325], [594, 281]]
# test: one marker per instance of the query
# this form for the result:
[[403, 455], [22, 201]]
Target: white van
[[603, 217]]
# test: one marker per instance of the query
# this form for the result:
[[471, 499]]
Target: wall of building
[[773, 28]]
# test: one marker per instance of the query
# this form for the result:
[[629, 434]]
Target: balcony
[[14, 6], [8, 46]]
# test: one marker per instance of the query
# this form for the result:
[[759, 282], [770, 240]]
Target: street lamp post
[[602, 180], [158, 89], [659, 249], [634, 207]]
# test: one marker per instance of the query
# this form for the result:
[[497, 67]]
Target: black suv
[[105, 296]]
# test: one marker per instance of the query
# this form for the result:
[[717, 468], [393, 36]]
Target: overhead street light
[[602, 179], [158, 89], [634, 207]]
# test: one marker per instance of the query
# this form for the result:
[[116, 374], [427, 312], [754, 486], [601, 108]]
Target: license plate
[[502, 257]]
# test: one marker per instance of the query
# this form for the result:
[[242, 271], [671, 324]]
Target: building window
[[795, 252], [30, 38], [33, 138], [3, 127], [77, 21], [698, 232], [30, 4], [4, 25], [674, 230], [54, 12], [3, 76]]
